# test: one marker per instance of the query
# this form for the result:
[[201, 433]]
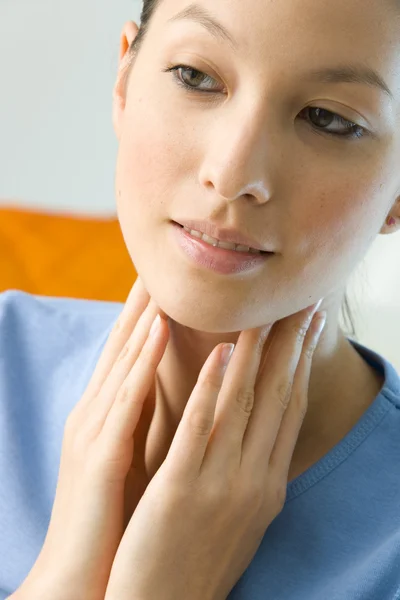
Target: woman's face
[[256, 154]]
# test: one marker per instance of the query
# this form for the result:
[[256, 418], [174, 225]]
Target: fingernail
[[226, 354], [155, 326], [316, 307], [321, 321]]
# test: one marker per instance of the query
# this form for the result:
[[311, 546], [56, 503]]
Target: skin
[[243, 157]]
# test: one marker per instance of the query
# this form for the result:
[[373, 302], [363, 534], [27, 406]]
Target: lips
[[233, 236], [214, 258], [220, 247]]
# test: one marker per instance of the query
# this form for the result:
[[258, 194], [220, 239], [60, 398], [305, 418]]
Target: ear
[[392, 222], [129, 33]]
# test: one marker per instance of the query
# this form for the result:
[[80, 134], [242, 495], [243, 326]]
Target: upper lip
[[223, 234]]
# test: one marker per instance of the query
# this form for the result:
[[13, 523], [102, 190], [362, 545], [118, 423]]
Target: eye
[[183, 74], [327, 118], [190, 78]]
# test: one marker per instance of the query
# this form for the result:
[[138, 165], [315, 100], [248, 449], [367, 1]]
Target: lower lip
[[217, 259]]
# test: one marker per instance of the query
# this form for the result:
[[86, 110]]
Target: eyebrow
[[356, 73], [199, 14]]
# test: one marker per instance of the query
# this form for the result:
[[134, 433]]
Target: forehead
[[256, 17], [320, 30]]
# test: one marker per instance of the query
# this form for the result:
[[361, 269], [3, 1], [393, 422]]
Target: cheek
[[333, 211], [146, 176], [151, 170], [351, 214], [329, 237], [155, 153]]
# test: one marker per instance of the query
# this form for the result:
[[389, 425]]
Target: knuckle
[[124, 352], [309, 351], [300, 331], [283, 393], [260, 344], [124, 393], [200, 424], [119, 325], [245, 400], [300, 401]]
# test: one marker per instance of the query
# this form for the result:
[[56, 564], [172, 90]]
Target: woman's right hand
[[87, 520]]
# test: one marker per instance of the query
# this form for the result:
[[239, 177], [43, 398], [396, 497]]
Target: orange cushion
[[64, 255]]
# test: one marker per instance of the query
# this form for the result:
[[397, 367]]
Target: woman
[[270, 125]]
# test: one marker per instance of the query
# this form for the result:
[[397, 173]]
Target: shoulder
[[50, 320], [17, 304], [48, 350], [49, 343]]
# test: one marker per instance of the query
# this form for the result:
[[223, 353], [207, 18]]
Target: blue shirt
[[337, 537]]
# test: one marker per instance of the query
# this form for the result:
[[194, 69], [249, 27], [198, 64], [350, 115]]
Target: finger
[[286, 440], [135, 304], [97, 411], [273, 390], [236, 401], [125, 411], [186, 453]]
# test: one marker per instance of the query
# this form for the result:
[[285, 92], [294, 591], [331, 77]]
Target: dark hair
[[149, 7]]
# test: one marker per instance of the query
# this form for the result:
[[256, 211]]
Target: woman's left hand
[[203, 515]]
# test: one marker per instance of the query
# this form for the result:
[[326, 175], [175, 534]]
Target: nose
[[240, 157]]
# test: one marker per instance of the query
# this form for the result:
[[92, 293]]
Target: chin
[[180, 302]]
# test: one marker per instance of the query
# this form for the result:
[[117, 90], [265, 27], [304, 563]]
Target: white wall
[[58, 63]]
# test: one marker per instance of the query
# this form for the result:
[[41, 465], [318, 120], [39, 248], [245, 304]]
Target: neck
[[341, 387]]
